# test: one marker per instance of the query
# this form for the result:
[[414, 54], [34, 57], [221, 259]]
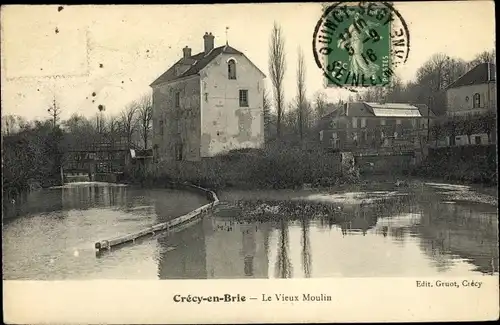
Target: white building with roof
[[474, 92], [208, 103], [472, 95]]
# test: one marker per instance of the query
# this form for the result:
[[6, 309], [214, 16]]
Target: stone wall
[[177, 128], [226, 125]]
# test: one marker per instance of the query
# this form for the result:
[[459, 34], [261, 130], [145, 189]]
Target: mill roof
[[197, 61]]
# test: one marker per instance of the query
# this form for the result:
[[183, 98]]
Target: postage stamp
[[360, 44]]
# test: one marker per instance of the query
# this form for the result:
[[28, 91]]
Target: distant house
[[101, 156], [207, 103], [372, 125], [474, 92]]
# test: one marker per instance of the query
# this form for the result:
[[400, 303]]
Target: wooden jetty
[[164, 226]]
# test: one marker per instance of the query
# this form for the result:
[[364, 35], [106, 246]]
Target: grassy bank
[[277, 166], [465, 164]]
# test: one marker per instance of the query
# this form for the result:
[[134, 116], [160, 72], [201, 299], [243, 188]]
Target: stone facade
[[225, 124], [176, 123], [207, 104]]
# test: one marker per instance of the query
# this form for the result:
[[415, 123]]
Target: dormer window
[[231, 69]]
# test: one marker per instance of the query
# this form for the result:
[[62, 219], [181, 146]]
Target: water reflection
[[55, 230], [32, 202], [387, 235], [182, 255], [306, 248], [451, 232], [236, 249], [283, 268], [387, 238]]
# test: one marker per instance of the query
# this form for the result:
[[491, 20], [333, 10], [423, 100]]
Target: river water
[[435, 229]]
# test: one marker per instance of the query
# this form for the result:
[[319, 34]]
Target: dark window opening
[[177, 99], [161, 127], [178, 152], [478, 139], [231, 69], [243, 98], [155, 151], [477, 101]]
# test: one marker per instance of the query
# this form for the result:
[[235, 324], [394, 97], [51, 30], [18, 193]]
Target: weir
[[164, 226]]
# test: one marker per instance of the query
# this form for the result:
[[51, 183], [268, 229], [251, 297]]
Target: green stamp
[[360, 44]]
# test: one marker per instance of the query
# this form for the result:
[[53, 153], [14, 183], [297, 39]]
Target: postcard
[[249, 163]]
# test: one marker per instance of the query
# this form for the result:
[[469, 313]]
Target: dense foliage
[[34, 151]]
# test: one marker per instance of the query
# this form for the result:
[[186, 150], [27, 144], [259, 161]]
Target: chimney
[[209, 42], [186, 52]]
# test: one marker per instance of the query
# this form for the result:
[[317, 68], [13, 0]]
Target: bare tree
[[128, 121], [308, 117], [9, 124], [23, 123], [339, 104], [277, 67], [145, 110], [483, 57], [113, 124], [434, 76], [113, 129], [301, 91], [266, 112], [395, 91], [100, 118], [55, 111], [372, 94], [290, 120], [320, 104]]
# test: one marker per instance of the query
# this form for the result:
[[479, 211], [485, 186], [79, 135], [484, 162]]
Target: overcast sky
[[117, 51]]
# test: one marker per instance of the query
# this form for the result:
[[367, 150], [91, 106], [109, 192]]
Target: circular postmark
[[360, 44]]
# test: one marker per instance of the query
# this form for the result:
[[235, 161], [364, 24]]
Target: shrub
[[277, 166], [476, 164]]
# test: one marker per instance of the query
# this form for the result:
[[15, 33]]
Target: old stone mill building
[[207, 103]]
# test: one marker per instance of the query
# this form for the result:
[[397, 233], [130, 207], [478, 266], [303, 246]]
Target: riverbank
[[466, 191], [291, 169], [276, 167]]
